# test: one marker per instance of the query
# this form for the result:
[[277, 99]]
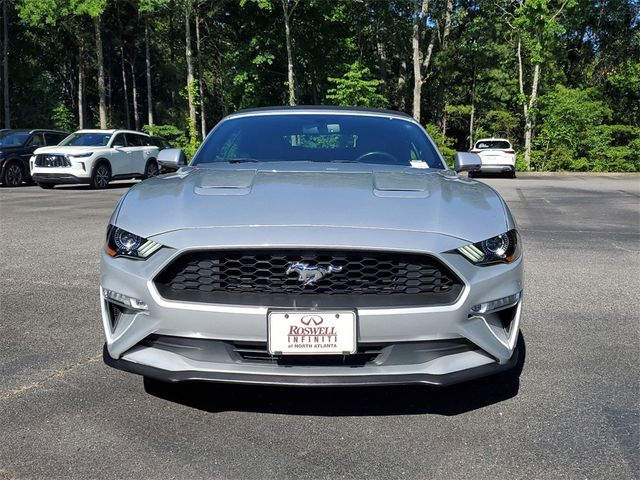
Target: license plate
[[312, 333]]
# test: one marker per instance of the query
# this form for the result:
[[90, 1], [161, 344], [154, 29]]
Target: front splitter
[[311, 381]]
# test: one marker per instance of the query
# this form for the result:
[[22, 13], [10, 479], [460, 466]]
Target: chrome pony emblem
[[310, 274]]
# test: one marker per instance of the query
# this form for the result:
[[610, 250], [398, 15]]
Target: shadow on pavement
[[344, 401]]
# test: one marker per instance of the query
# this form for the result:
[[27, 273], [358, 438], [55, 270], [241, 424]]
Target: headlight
[[121, 243], [503, 248], [81, 155]]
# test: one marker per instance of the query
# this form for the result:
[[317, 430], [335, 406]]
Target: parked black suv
[[16, 148]]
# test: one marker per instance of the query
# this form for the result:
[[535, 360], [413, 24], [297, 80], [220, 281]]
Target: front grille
[[50, 160], [355, 279]]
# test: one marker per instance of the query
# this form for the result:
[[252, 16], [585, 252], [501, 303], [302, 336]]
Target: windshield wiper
[[242, 160], [344, 161]]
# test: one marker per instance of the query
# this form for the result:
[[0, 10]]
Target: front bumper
[[324, 380], [490, 347], [56, 178]]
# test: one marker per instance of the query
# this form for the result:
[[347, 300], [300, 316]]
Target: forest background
[[559, 78]]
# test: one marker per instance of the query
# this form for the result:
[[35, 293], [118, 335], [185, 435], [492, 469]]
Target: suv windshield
[[86, 139], [319, 138], [13, 139], [493, 145]]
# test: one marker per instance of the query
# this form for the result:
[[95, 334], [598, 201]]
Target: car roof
[[493, 139], [112, 131], [322, 109], [33, 130]]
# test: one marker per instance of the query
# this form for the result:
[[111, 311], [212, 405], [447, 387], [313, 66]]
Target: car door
[[136, 147], [120, 156], [149, 149], [36, 141]]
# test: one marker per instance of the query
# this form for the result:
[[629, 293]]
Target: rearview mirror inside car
[[466, 162]]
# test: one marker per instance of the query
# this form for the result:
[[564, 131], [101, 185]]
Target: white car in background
[[95, 157], [497, 155]]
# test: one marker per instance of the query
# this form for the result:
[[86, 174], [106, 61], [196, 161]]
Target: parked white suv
[[497, 155], [95, 157]]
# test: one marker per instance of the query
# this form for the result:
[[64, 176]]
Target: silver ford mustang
[[313, 246]]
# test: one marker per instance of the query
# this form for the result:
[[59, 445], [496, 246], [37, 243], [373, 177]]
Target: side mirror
[[172, 158], [467, 162]]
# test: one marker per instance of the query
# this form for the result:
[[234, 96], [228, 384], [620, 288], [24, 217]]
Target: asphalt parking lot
[[63, 413]]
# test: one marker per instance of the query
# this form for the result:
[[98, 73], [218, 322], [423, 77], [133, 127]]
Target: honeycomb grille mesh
[[265, 273]]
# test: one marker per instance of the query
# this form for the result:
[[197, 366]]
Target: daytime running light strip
[[472, 252], [148, 248]]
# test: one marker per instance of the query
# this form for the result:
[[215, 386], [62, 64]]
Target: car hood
[[349, 195], [66, 150]]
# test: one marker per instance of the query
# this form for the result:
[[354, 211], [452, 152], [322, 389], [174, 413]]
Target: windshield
[[86, 139], [319, 138], [13, 139], [493, 145]]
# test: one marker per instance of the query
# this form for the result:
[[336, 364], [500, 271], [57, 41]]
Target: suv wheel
[[151, 170], [13, 175], [101, 177]]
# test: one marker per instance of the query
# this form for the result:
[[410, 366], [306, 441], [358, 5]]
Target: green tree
[[51, 12], [536, 25], [356, 88]]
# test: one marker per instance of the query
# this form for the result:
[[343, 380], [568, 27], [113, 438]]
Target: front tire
[[101, 177], [13, 175]]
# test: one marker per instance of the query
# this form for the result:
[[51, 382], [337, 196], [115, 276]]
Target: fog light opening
[[495, 305], [124, 300]]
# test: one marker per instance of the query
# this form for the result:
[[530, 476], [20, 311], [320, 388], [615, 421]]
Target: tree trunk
[[136, 113], [382, 65], [473, 109], [402, 81], [447, 23], [102, 94], [444, 122], [81, 83], [147, 60], [417, 63], [528, 119], [189, 56], [420, 9], [520, 74], [203, 121], [5, 65], [287, 31], [125, 90], [220, 84]]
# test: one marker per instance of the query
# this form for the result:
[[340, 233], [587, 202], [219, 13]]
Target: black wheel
[[13, 175], [101, 177], [47, 186], [512, 174], [151, 170]]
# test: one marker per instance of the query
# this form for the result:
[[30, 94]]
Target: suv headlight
[[503, 248], [121, 243], [80, 155]]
